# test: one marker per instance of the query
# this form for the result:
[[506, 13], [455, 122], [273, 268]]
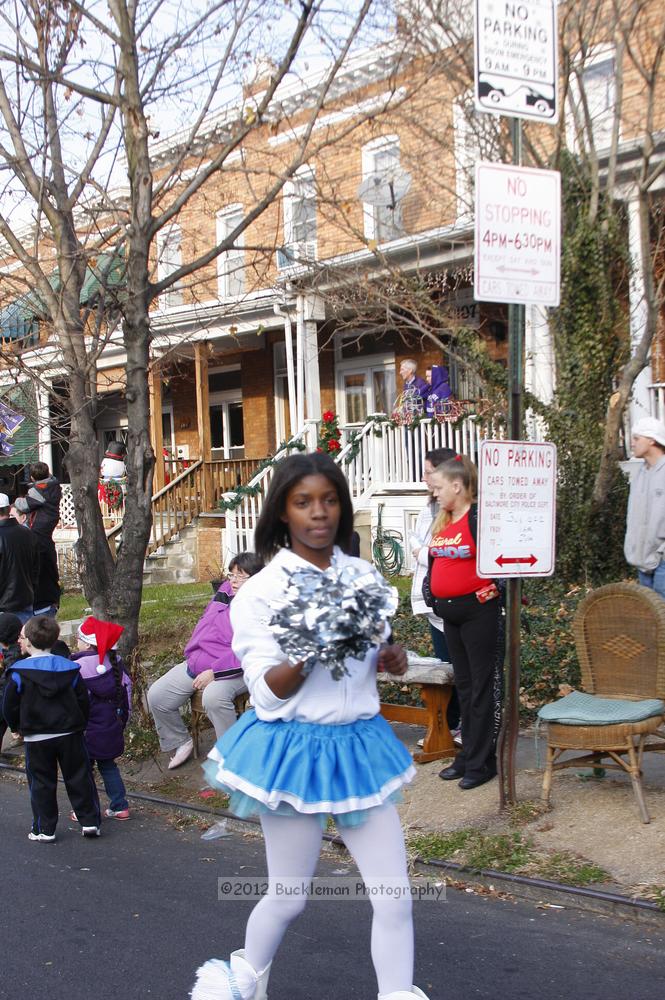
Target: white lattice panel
[[67, 518]]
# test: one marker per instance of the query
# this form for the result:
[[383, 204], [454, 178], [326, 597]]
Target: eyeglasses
[[237, 576]]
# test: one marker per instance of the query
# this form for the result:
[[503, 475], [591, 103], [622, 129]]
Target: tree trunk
[[638, 360]]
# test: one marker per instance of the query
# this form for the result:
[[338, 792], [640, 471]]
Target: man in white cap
[[644, 545]]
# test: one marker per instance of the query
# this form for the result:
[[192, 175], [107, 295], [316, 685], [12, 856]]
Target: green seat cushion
[[581, 709]]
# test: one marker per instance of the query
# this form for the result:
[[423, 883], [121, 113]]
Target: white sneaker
[[43, 838], [91, 831], [182, 754]]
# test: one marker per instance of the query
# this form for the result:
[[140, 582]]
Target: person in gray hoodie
[[644, 545]]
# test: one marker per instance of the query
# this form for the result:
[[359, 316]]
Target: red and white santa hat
[[102, 635]]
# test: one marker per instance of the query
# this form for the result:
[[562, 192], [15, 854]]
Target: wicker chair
[[200, 719], [619, 633]]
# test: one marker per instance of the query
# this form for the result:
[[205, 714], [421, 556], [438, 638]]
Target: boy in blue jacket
[[46, 701]]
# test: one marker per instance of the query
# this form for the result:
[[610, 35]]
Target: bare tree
[[81, 91]]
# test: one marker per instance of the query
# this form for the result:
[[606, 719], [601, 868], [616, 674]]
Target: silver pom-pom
[[327, 616]]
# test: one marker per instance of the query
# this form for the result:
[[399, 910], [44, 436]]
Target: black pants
[[42, 758], [472, 634]]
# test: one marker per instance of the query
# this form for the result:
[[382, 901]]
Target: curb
[[556, 894]]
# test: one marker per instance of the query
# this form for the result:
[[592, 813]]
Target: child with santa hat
[[109, 689]]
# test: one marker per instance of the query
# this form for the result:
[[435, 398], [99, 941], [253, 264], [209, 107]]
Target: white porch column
[[44, 436], [290, 377], [313, 310], [539, 365], [640, 405], [300, 365]]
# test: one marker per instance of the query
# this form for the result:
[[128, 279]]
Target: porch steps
[[174, 562]]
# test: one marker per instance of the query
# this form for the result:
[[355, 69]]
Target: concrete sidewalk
[[596, 819]]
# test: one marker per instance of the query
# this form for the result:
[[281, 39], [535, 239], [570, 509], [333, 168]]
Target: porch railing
[[379, 457], [241, 519], [386, 457], [198, 487], [173, 508], [227, 474]]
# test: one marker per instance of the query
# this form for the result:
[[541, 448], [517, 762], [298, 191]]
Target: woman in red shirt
[[471, 610]]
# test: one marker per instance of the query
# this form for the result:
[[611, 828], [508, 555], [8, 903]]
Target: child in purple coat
[[109, 689]]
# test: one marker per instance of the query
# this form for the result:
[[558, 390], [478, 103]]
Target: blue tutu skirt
[[288, 768]]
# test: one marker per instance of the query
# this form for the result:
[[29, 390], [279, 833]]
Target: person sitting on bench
[[209, 666]]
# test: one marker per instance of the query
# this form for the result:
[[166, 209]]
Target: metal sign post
[[507, 742]]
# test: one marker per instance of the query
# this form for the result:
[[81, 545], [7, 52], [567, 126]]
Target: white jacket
[[320, 699], [419, 539], [644, 545]]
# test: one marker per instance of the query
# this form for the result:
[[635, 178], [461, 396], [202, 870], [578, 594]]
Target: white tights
[[293, 845]]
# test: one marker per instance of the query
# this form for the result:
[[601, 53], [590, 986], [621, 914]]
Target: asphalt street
[[132, 914]]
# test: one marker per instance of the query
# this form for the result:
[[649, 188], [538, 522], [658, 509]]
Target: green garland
[[328, 442]]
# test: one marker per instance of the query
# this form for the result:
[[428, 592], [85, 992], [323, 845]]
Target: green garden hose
[[387, 548]]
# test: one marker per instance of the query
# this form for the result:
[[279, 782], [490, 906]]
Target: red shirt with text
[[453, 551]]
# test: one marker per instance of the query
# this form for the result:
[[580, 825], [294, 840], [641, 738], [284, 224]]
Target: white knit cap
[[649, 427], [4, 500]]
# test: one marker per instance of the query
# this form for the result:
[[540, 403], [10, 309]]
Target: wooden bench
[[199, 717], [435, 680]]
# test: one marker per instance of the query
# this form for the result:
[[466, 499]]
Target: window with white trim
[[230, 263], [381, 159], [169, 259], [597, 81], [299, 220]]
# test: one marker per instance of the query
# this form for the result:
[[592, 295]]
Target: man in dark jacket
[[42, 503], [41, 508], [19, 564], [10, 652], [47, 702]]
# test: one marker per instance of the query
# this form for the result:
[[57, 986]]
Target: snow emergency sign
[[516, 59], [516, 508], [517, 253]]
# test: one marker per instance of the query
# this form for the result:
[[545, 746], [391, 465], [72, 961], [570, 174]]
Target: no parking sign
[[516, 508]]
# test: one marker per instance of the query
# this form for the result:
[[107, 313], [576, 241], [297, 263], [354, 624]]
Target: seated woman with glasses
[[209, 666]]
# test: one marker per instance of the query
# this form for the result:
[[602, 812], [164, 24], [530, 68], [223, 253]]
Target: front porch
[[382, 462]]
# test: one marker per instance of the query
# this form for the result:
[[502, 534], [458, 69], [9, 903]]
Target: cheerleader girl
[[471, 613], [312, 746]]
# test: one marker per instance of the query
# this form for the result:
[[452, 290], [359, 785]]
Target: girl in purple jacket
[[109, 689], [210, 666]]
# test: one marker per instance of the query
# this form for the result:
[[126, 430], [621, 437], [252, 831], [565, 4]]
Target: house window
[[381, 161], [169, 259], [227, 435], [282, 409], [597, 81], [299, 220], [231, 263], [364, 384]]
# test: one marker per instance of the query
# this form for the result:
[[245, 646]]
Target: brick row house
[[303, 314]]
